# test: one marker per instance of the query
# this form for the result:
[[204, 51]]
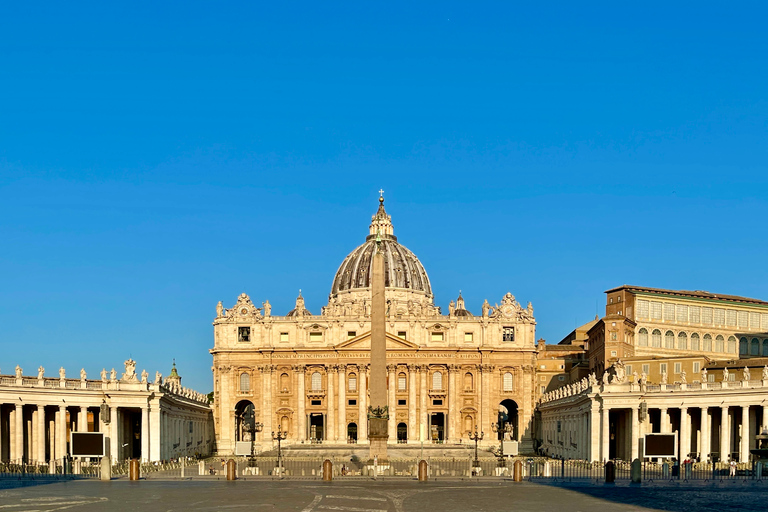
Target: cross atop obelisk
[[378, 413]]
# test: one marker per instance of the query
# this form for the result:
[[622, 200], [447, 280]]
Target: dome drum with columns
[[308, 372]]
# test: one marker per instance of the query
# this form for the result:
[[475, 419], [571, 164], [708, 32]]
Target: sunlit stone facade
[[307, 373]]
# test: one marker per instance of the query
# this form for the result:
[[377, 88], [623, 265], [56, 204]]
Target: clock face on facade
[[244, 311]]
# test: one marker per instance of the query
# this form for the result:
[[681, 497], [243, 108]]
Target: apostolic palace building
[[305, 372]]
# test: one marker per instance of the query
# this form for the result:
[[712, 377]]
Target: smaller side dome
[[299, 309]]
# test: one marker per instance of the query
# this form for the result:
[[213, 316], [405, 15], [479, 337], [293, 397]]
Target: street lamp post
[[257, 427], [476, 437], [505, 429], [279, 436]]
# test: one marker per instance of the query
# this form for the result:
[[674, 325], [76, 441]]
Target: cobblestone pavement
[[371, 496]]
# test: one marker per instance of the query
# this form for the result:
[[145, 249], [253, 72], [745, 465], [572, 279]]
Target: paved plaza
[[371, 496]]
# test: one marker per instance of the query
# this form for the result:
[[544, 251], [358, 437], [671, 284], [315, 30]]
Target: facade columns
[[362, 403], [765, 417], [330, 431], [605, 433], [391, 397], [725, 438], [302, 398], [450, 436], [663, 420], [82, 420], [635, 437], [18, 433], [705, 435], [61, 433], [744, 444], [40, 434], [266, 403], [113, 434], [342, 403], [685, 432], [154, 432], [413, 426], [424, 419], [485, 400], [595, 435], [145, 434]]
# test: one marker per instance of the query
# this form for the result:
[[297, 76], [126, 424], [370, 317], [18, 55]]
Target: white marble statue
[[158, 378], [18, 372], [62, 373], [113, 375], [725, 374], [40, 373], [765, 372], [219, 310], [703, 375], [144, 376], [103, 375], [683, 377], [663, 377], [83, 375], [267, 308], [130, 370], [746, 376]]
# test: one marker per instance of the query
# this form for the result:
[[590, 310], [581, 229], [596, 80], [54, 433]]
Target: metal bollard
[[327, 470], [518, 471], [610, 472], [231, 470], [134, 469], [636, 471], [423, 476]]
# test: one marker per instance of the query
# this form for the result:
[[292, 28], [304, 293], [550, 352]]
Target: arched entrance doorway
[[437, 427], [245, 421], [402, 433], [352, 433], [508, 416]]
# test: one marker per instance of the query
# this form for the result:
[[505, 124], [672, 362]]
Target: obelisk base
[[377, 437]]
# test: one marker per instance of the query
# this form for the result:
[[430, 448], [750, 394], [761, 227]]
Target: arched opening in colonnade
[[508, 413], [245, 421]]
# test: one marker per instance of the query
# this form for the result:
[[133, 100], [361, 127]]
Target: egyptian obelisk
[[378, 413]]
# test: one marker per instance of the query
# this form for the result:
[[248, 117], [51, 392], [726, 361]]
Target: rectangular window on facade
[[352, 402], [628, 369], [352, 381], [695, 314], [642, 309], [508, 333], [754, 320], [696, 366], [244, 334], [401, 334], [316, 336], [669, 312], [543, 389], [351, 334], [678, 367], [719, 316], [437, 336], [764, 321], [437, 402], [706, 316], [401, 402], [730, 318], [401, 384], [613, 353], [656, 310], [682, 313], [743, 319], [284, 337], [317, 402], [468, 337], [731, 377], [646, 369], [711, 377], [663, 368]]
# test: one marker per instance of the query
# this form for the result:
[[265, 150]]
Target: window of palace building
[[508, 333], [468, 337], [284, 337], [244, 334]]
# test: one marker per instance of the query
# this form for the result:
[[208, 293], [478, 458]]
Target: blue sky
[[156, 158]]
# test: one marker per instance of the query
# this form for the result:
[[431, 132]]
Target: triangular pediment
[[363, 342]]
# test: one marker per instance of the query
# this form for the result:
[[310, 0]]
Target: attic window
[[244, 334], [284, 337], [468, 337], [508, 334], [351, 334], [316, 336], [401, 334], [437, 336]]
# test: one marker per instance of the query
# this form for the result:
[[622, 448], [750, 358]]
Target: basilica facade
[[305, 373]]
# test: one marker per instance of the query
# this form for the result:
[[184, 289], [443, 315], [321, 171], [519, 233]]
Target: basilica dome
[[402, 269]]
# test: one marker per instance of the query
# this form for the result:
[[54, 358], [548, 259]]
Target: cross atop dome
[[381, 223]]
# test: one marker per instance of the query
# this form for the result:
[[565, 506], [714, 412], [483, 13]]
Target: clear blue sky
[[156, 158]]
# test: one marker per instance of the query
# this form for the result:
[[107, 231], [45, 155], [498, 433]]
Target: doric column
[[145, 434], [61, 433], [114, 450], [362, 403], [744, 441], [391, 423], [40, 434], [330, 433], [705, 435], [685, 432], [413, 425], [450, 435], [82, 420], [342, 403], [664, 420], [604, 433], [635, 418], [154, 432], [301, 396], [19, 432], [424, 421], [725, 438], [594, 432]]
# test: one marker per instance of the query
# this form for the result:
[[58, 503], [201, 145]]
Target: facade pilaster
[[362, 402], [485, 400], [424, 419], [391, 422], [413, 426], [331, 431], [301, 397], [342, 403], [451, 436]]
